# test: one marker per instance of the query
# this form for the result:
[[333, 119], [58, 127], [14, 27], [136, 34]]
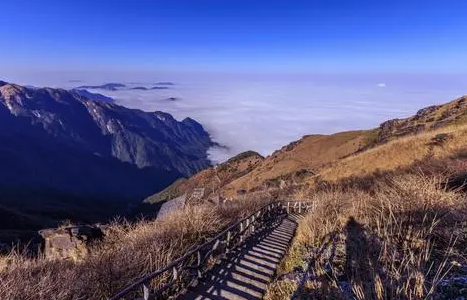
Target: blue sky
[[257, 74], [339, 36]]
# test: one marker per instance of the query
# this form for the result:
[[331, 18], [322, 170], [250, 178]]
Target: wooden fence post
[[241, 232], [198, 259], [253, 225], [146, 290], [229, 236]]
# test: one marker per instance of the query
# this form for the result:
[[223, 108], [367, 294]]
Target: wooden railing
[[187, 270], [298, 206]]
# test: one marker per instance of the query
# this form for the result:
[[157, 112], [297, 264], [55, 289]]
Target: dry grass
[[396, 242], [280, 290], [212, 179], [127, 252], [398, 154], [310, 152]]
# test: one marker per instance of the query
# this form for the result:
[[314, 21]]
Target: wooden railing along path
[[188, 269]]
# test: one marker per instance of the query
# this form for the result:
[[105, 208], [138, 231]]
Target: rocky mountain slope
[[432, 117], [312, 155], [67, 154], [59, 139]]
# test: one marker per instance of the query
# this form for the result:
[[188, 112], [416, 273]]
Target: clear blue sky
[[247, 35]]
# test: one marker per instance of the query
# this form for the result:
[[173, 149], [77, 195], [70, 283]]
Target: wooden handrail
[[229, 238]]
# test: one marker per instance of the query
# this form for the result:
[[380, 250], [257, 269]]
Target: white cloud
[[381, 85], [265, 113]]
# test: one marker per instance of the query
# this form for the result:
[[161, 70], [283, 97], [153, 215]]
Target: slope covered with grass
[[435, 130], [389, 220], [400, 153], [406, 238]]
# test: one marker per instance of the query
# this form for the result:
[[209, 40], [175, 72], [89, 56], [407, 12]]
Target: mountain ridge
[[145, 139], [300, 161], [65, 156]]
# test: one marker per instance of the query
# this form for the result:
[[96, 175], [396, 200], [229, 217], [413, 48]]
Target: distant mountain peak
[[165, 83], [106, 86], [11, 91]]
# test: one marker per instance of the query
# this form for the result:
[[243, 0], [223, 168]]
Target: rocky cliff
[[63, 140]]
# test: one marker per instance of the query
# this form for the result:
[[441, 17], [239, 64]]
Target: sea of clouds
[[265, 112]]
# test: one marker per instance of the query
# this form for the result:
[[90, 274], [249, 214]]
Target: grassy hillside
[[399, 153], [404, 238], [301, 158], [127, 251], [432, 131], [390, 218], [211, 179], [432, 117], [390, 222]]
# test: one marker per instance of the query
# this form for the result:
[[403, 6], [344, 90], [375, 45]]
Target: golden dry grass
[[397, 243], [212, 179], [311, 152], [398, 154]]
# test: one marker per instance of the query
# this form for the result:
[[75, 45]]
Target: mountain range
[[72, 142], [106, 86], [56, 119], [120, 86]]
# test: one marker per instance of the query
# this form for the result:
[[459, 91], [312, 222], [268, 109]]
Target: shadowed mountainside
[[75, 143], [52, 117]]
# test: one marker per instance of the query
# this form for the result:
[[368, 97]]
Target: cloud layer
[[264, 113]]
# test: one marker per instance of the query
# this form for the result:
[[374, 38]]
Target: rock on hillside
[[432, 117]]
